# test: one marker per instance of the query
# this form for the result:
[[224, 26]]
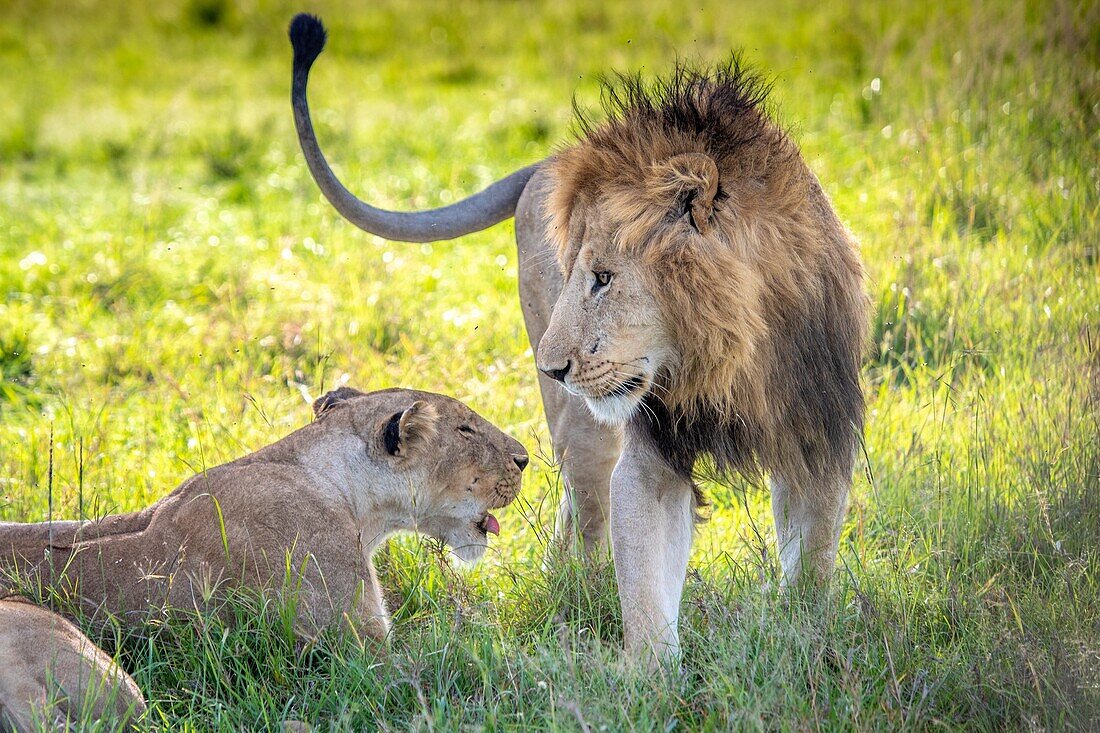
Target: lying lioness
[[306, 512], [52, 675]]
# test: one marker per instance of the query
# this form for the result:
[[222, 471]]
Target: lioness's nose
[[558, 373], [521, 460]]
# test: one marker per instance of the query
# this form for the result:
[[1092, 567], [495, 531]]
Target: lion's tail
[[495, 204]]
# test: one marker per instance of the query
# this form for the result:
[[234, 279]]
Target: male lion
[[706, 304], [308, 510], [53, 675]]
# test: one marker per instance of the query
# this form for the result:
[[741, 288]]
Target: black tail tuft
[[307, 36]]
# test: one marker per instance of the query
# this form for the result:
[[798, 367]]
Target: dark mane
[[708, 446], [815, 372], [726, 107]]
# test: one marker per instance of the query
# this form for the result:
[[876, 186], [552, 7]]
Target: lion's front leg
[[808, 522], [370, 621], [341, 591], [651, 532]]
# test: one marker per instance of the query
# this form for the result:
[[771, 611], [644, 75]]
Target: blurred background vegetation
[[175, 290]]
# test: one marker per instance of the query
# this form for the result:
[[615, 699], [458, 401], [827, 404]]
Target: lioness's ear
[[688, 184], [410, 430], [329, 400]]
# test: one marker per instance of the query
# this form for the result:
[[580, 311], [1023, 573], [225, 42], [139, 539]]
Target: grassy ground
[[174, 286]]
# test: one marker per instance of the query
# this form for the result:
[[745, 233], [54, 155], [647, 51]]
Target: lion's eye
[[603, 279], [466, 429]]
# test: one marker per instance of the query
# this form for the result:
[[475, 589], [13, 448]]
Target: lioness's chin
[[613, 410], [467, 545], [470, 553]]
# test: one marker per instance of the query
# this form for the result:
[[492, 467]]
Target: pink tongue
[[492, 526]]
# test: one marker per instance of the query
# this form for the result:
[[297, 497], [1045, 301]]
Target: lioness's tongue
[[491, 524]]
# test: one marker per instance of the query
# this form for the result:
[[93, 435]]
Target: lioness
[[309, 510], [52, 675], [690, 294]]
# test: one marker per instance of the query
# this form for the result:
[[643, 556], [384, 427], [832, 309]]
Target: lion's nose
[[521, 460], [559, 373]]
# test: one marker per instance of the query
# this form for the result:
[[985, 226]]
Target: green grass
[[174, 286]]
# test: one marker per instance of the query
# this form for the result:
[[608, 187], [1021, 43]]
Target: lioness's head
[[663, 217], [443, 466]]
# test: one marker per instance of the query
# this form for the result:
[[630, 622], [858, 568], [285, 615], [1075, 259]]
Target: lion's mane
[[764, 296]]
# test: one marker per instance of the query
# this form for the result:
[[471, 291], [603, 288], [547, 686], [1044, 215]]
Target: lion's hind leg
[[809, 516]]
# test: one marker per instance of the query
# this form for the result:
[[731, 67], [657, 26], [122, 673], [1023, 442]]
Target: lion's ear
[[408, 431], [329, 400], [688, 183]]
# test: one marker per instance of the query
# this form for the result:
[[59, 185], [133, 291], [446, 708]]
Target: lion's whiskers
[[651, 413], [541, 259]]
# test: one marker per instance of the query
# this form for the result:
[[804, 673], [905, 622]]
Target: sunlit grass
[[176, 289]]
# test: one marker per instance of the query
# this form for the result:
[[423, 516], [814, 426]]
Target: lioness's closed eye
[[328, 495]]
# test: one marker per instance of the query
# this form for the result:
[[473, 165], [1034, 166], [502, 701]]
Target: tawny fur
[[303, 514], [52, 675]]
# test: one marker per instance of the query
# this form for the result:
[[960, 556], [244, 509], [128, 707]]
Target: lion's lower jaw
[[613, 410]]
